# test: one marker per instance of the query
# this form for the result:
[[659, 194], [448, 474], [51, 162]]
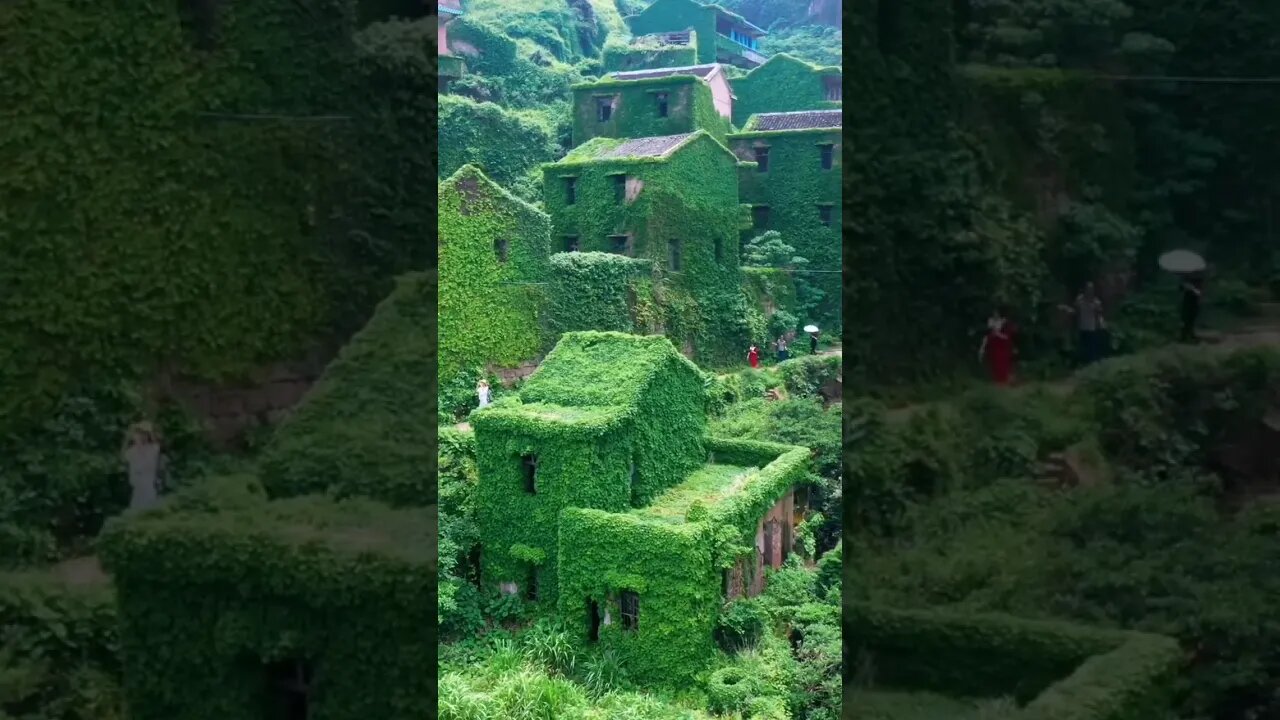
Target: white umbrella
[[1182, 262], [811, 328]]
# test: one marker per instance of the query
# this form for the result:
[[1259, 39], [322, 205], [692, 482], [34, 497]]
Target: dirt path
[[1258, 332], [81, 571]]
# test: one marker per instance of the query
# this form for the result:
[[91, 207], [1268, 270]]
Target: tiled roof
[[701, 71], [803, 120], [647, 147]]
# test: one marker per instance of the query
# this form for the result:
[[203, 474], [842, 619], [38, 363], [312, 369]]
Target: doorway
[[593, 620], [288, 690]]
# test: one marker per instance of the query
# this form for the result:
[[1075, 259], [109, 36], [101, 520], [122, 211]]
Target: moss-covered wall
[[505, 144], [678, 15], [645, 55], [690, 197], [601, 291], [793, 188], [490, 309], [359, 430], [208, 600], [635, 109], [783, 84]]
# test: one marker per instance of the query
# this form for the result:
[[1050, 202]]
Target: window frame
[[625, 250], [571, 190], [529, 473], [502, 249], [675, 255], [664, 107], [572, 243], [826, 214], [827, 155], [762, 158], [760, 217], [629, 610]]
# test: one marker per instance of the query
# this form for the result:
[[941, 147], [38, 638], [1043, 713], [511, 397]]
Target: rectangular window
[[571, 243], [531, 584], [620, 188], [673, 255], [719, 249], [619, 244], [762, 159], [500, 249], [760, 216], [630, 602], [662, 104], [529, 466], [604, 109], [570, 191], [827, 153], [593, 621], [824, 214]]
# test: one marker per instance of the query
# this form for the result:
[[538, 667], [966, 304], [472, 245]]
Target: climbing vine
[[783, 84]]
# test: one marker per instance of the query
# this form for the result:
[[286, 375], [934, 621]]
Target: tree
[[769, 250]]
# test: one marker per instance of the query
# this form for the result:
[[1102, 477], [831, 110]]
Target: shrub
[[741, 624], [731, 688]]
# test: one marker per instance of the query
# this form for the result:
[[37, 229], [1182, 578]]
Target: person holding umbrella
[[813, 338], [1189, 267]]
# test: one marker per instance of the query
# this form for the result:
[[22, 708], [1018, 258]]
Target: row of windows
[[760, 215], [604, 106], [826, 156], [619, 189], [744, 39]]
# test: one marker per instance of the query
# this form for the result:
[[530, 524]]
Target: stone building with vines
[[602, 498]]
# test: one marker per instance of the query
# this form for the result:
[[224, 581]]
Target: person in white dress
[[142, 454], [482, 391]]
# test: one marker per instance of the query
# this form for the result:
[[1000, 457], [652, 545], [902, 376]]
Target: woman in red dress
[[997, 347], [753, 357]]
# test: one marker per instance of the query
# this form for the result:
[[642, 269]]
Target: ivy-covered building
[[449, 66], [493, 259], [786, 84], [790, 177], [639, 104], [601, 495], [672, 200], [718, 35]]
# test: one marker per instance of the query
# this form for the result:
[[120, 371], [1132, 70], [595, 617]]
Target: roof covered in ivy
[[594, 369], [652, 148], [702, 71], [801, 120]]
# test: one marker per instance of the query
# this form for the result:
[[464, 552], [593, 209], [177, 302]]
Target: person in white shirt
[[482, 391]]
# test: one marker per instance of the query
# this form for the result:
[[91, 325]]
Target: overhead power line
[[1192, 79]]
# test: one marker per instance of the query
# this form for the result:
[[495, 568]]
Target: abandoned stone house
[[600, 494]]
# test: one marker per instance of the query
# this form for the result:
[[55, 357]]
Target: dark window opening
[[474, 558], [662, 104], [529, 465], [200, 18], [620, 188], [835, 89], [762, 159], [824, 214], [593, 620], [288, 686], [630, 603], [827, 154], [531, 584], [604, 109], [673, 252], [760, 216], [570, 191], [571, 243], [719, 249], [619, 244], [889, 25], [500, 249]]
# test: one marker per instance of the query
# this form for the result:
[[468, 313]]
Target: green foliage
[[702, 306], [153, 203], [505, 144], [690, 108], [489, 306], [816, 44], [359, 431], [343, 585], [794, 189], [646, 53], [663, 16], [59, 654], [786, 83], [769, 250], [1048, 665], [556, 27], [601, 291], [740, 624]]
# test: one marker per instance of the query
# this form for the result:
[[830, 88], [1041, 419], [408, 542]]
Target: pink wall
[[442, 43], [721, 94]]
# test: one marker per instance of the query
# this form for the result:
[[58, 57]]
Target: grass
[[710, 484]]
